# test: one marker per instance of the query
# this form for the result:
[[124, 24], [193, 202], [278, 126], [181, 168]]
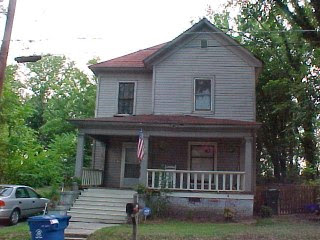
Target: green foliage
[[53, 194], [229, 214], [37, 143], [265, 212], [288, 88], [156, 200], [141, 189]]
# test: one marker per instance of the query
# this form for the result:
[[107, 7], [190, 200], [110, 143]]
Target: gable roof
[[132, 60], [229, 43], [143, 59]]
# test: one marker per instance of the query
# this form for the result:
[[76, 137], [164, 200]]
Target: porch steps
[[107, 206]]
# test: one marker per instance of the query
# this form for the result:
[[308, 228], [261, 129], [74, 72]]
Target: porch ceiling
[[171, 121]]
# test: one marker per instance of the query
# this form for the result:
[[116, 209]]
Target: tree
[[288, 88], [35, 134]]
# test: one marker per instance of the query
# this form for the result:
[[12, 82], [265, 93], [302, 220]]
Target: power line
[[189, 33]]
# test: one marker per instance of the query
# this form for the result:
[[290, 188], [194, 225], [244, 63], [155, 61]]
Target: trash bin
[[272, 199], [48, 227]]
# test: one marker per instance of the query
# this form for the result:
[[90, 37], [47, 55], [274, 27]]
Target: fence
[[292, 198]]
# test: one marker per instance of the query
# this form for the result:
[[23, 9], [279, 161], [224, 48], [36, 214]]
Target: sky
[[82, 29]]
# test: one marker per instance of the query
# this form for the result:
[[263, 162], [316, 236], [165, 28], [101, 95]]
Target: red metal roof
[[132, 60], [170, 119]]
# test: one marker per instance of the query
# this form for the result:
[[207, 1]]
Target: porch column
[[79, 156], [144, 162], [248, 164]]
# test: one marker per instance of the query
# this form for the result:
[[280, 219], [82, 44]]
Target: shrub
[[265, 211], [229, 214], [156, 200]]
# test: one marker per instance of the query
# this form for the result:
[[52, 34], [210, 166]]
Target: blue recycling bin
[[48, 227]]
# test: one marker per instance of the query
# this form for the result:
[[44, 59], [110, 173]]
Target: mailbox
[[132, 208]]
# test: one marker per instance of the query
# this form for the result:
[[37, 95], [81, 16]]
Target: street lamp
[[26, 59]]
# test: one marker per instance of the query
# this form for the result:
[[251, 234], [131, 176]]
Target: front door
[[130, 166]]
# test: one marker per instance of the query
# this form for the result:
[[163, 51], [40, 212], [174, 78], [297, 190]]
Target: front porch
[[192, 160]]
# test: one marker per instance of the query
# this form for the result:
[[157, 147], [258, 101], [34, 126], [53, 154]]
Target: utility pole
[[6, 42]]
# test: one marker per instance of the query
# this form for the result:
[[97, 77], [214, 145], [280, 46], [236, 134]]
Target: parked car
[[17, 201]]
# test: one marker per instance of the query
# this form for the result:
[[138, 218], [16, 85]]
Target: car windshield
[[5, 191]]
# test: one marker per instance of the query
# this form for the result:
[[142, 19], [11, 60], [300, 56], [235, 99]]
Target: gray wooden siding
[[107, 105], [174, 151], [98, 155], [234, 81]]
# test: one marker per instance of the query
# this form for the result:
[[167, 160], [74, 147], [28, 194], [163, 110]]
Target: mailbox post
[[132, 211]]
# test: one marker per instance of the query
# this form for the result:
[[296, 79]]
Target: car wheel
[[14, 217]]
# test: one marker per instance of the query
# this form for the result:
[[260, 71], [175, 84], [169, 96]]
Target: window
[[5, 191], [32, 193], [22, 193], [204, 43], [202, 95], [126, 98], [132, 165], [202, 157]]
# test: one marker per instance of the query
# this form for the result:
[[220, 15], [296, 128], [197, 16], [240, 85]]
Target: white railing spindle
[[181, 180], [91, 177], [161, 178]]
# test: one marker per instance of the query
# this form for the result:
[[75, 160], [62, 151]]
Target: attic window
[[204, 43]]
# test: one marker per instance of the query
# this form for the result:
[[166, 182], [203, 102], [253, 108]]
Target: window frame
[[125, 145], [24, 189], [212, 95], [215, 158], [134, 99]]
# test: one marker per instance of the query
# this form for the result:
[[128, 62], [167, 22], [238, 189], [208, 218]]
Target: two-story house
[[194, 99]]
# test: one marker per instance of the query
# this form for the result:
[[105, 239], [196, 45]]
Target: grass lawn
[[278, 228], [18, 232]]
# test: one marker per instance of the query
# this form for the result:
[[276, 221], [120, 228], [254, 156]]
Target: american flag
[[140, 150]]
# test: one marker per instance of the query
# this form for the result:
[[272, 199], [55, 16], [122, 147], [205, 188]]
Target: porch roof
[[173, 120]]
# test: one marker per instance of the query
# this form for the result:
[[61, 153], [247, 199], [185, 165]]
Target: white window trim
[[134, 99], [215, 144], [212, 95]]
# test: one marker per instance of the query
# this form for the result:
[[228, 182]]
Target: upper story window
[[202, 94], [126, 97]]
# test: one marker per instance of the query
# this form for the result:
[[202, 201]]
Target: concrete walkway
[[81, 230]]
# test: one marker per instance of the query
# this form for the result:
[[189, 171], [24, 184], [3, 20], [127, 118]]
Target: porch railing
[[196, 180], [91, 177]]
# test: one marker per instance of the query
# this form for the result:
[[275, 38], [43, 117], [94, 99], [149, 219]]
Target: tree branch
[[300, 19]]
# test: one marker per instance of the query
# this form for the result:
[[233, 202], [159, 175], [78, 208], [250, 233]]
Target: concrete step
[[98, 220], [98, 212], [102, 195], [99, 205], [81, 230], [74, 238], [97, 209], [74, 226], [103, 199], [99, 215], [110, 191]]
